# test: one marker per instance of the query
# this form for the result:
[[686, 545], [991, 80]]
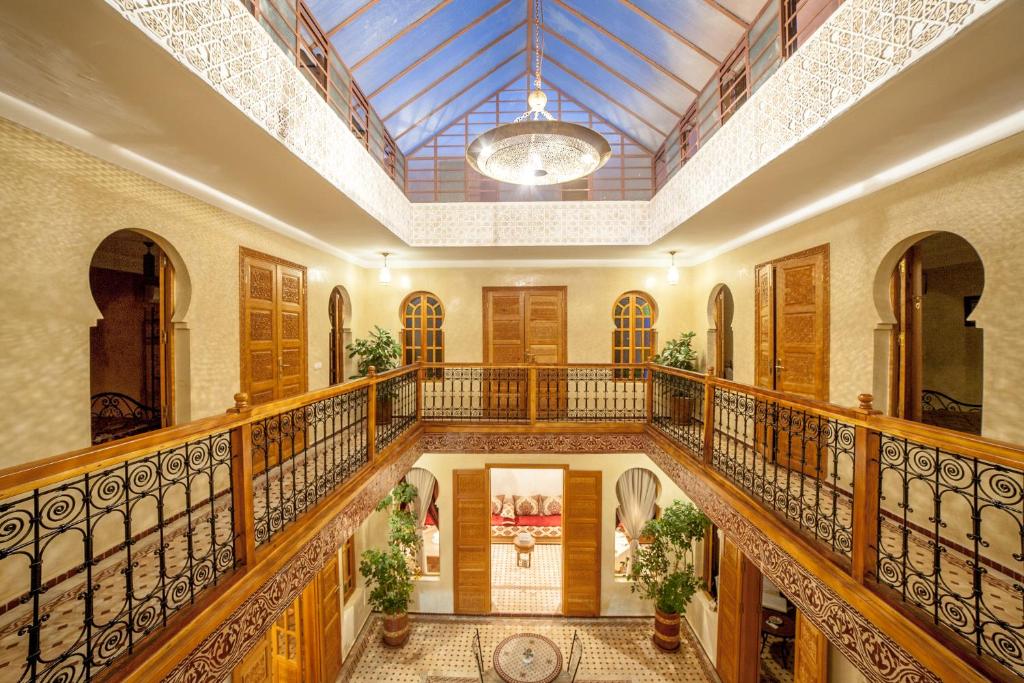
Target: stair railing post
[[371, 414], [242, 503], [866, 492], [709, 416]]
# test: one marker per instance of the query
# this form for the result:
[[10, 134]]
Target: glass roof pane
[[433, 32], [451, 86], [697, 21], [376, 25]]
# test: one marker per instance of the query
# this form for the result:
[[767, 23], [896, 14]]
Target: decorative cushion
[[508, 510], [526, 505], [496, 503], [550, 505]]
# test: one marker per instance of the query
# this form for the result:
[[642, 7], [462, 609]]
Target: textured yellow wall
[[980, 197], [591, 294], [56, 205]]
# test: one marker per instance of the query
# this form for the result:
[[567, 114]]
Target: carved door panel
[[792, 327], [257, 666], [545, 345], [291, 344], [810, 659], [505, 390], [739, 617], [472, 533], [581, 544], [259, 337], [286, 645]]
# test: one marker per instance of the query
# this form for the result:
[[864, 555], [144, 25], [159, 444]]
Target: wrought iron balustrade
[[677, 407], [475, 393]]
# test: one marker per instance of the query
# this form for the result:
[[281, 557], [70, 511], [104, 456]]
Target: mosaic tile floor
[[439, 649], [521, 590]]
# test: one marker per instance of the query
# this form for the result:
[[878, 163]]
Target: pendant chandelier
[[536, 149]]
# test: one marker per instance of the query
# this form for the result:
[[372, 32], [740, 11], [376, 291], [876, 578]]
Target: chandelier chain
[[538, 48]]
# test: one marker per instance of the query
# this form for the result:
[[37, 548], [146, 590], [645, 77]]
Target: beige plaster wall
[[980, 197], [591, 293], [56, 205]]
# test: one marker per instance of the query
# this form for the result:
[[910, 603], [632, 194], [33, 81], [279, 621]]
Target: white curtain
[[637, 491], [424, 482]]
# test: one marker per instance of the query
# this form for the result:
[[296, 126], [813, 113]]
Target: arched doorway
[[720, 312], [340, 312], [132, 345], [936, 358]]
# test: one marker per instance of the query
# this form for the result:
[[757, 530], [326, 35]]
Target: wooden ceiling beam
[[451, 99], [672, 32], [352, 17], [439, 47], [628, 81], [434, 10], [452, 70], [728, 13], [618, 41], [608, 97]]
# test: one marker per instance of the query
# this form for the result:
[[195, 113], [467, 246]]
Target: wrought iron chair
[[478, 655], [572, 663]]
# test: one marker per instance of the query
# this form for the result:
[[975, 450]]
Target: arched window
[[634, 339], [422, 337]]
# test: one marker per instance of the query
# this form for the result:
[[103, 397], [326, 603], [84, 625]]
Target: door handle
[[778, 366]]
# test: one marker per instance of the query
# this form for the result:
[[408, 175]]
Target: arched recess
[[339, 310], [720, 345], [138, 349], [929, 352], [425, 510], [636, 494]]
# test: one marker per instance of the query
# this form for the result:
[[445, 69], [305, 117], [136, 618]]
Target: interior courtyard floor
[[439, 650], [536, 589]]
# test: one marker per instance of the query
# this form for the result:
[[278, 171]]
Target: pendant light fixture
[[673, 273], [384, 276], [536, 149]]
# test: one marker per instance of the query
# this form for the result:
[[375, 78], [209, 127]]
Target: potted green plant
[[388, 571], [663, 570], [380, 351], [678, 353]]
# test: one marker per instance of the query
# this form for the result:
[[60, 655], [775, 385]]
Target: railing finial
[[241, 403], [866, 401], [371, 371]]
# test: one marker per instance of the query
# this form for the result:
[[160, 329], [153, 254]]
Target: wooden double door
[[273, 327], [791, 332], [304, 644], [581, 542]]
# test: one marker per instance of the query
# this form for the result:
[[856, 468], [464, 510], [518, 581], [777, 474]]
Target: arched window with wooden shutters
[[422, 336], [634, 339]]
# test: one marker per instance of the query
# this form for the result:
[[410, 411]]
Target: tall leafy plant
[[678, 352], [380, 350], [663, 570], [387, 571]]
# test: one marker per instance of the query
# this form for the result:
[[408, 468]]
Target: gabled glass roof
[[638, 64]]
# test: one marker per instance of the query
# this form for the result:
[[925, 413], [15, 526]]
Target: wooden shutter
[[810, 664], [581, 538], [739, 617], [545, 326], [504, 326], [166, 342], [720, 332], [764, 327], [329, 619], [286, 646], [472, 542], [291, 315]]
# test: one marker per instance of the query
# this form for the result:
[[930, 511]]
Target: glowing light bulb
[[384, 276], [673, 273]]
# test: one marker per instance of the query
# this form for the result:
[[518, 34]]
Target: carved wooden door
[[810, 659], [792, 327], [739, 617], [720, 332], [166, 341], [273, 327], [472, 542], [581, 544], [907, 291]]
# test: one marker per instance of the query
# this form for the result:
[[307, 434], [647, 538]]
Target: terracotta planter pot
[[680, 410], [385, 408], [396, 629], [666, 630]]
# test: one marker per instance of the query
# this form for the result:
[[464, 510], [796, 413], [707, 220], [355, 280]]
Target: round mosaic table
[[527, 658]]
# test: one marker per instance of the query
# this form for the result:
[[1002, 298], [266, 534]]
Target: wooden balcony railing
[[102, 548]]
